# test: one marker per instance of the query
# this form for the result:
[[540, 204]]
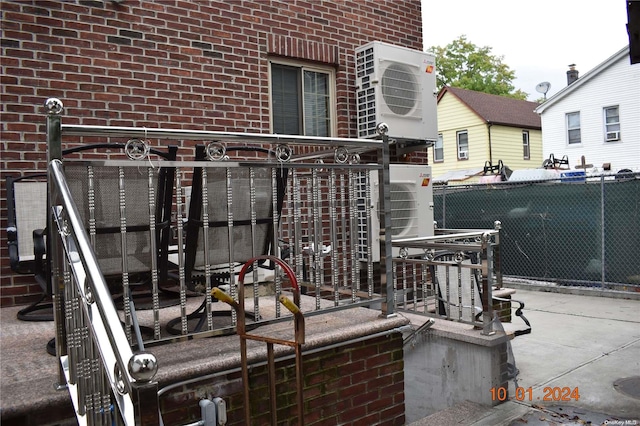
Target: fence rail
[[451, 275]]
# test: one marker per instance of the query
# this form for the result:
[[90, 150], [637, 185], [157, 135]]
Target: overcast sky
[[538, 39]]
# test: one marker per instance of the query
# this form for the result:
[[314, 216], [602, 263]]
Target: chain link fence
[[570, 232]]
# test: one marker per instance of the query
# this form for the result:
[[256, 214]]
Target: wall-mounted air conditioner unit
[[463, 155], [411, 193], [613, 136], [397, 86]]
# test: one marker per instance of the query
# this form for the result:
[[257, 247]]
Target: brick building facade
[[206, 65]]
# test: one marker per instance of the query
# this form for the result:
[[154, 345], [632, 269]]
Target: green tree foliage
[[465, 65]]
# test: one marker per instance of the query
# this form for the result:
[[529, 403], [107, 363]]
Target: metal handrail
[[127, 369], [130, 376], [484, 243], [268, 138]]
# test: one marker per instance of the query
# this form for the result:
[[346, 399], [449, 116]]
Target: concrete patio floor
[[581, 342]]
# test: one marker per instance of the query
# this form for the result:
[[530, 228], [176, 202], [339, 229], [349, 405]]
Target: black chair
[[95, 190], [247, 240], [452, 299], [114, 204], [26, 223], [100, 183]]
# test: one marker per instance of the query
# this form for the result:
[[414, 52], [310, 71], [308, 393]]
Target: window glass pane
[[316, 104], [573, 128], [611, 114], [525, 145], [285, 98], [463, 145], [574, 136], [438, 149], [573, 120], [612, 119]]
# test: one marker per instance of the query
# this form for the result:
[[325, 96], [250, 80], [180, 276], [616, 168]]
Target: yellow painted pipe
[[222, 296], [289, 304]]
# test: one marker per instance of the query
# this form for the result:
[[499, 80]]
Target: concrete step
[[464, 413]]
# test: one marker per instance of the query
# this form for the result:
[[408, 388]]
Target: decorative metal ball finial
[[382, 128], [143, 367], [53, 106]]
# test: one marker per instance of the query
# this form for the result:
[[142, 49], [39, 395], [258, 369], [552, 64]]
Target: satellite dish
[[543, 87]]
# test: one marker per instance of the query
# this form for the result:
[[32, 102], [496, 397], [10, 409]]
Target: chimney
[[572, 74]]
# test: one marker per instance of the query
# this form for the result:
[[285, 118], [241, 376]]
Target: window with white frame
[[526, 149], [573, 128], [611, 123], [302, 99], [438, 149], [462, 138]]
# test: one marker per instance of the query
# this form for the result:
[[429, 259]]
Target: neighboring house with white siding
[[597, 116]]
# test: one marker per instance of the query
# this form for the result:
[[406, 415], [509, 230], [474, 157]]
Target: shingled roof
[[496, 109]]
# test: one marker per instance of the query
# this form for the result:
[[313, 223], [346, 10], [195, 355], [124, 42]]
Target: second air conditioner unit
[[411, 192], [397, 86], [613, 136]]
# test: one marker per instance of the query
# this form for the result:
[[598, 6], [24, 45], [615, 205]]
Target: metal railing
[[106, 380], [314, 230], [451, 275], [253, 197]]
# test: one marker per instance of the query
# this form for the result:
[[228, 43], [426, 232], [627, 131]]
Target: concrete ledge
[[467, 334], [633, 292], [28, 374], [450, 363], [195, 358]]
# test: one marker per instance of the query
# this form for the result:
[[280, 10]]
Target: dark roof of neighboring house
[[496, 109]]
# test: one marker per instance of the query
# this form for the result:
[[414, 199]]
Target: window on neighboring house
[[463, 145], [526, 149], [611, 123], [302, 99], [438, 149], [573, 128]]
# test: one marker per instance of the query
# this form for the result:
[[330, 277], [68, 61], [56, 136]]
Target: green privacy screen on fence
[[572, 233]]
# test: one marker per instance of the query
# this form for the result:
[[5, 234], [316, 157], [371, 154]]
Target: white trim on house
[[613, 83], [582, 80]]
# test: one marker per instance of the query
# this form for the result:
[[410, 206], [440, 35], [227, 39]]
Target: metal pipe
[[54, 152], [101, 296], [602, 233], [386, 230]]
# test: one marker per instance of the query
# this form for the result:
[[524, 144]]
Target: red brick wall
[[360, 383], [187, 64]]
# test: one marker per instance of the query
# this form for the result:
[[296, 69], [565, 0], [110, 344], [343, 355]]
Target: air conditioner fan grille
[[403, 209], [399, 88]]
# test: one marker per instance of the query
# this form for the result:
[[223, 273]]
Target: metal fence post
[[602, 232], [54, 108], [386, 253], [444, 205], [486, 256]]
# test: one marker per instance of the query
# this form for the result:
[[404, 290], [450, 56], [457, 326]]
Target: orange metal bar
[[294, 308]]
